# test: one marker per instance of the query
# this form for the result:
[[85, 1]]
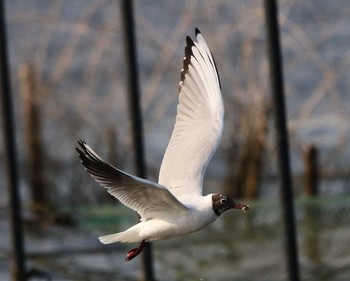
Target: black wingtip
[[188, 54], [81, 150], [88, 157], [189, 41], [197, 31], [82, 144], [187, 59]]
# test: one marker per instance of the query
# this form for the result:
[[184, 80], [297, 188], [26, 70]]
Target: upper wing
[[147, 198], [199, 122]]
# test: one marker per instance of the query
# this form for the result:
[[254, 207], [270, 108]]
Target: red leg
[[136, 251]]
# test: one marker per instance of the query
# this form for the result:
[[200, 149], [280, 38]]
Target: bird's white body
[[174, 206], [196, 218]]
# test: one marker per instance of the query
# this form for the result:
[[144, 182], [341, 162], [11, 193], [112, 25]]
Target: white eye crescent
[[223, 201]]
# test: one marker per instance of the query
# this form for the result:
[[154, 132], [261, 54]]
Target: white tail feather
[[128, 236]]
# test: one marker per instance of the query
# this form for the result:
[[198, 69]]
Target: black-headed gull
[[175, 205]]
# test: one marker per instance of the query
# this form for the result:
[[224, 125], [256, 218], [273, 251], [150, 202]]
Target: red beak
[[240, 206]]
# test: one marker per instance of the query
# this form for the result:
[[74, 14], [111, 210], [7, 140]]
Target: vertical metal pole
[[276, 70], [134, 101], [18, 267]]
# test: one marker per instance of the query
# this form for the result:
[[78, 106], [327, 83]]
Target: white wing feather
[[147, 198], [199, 123]]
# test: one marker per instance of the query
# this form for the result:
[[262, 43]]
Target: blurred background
[[68, 78]]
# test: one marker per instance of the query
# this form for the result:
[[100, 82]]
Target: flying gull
[[175, 205]]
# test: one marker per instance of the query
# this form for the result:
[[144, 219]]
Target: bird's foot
[[136, 251]]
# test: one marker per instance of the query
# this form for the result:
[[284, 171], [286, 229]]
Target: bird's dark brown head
[[222, 202]]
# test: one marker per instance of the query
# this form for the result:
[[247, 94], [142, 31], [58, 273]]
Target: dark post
[[18, 269], [33, 140], [311, 244], [134, 101], [275, 57], [311, 170]]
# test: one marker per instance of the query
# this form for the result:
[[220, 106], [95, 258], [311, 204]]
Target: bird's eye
[[223, 201]]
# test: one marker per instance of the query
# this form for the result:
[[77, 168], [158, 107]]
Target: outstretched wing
[[147, 198], [199, 122]]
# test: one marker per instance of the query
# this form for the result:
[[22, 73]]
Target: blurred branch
[[46, 37], [68, 50], [168, 49]]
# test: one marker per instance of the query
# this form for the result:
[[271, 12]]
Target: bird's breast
[[195, 220]]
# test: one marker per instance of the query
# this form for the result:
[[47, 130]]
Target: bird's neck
[[202, 203]]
